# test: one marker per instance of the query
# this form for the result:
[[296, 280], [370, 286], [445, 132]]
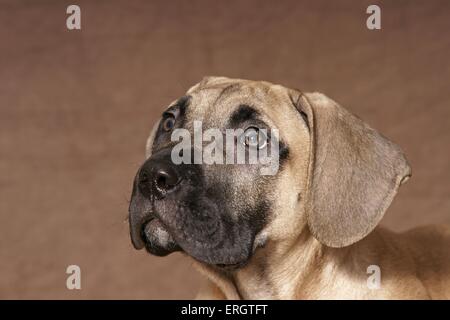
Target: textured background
[[76, 108]]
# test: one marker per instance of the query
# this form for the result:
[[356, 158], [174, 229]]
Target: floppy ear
[[354, 172]]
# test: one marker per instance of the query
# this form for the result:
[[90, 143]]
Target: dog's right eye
[[168, 123]]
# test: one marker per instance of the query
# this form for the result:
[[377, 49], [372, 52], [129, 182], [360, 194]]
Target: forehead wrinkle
[[228, 90], [200, 104], [215, 103], [217, 110], [210, 103], [256, 97]]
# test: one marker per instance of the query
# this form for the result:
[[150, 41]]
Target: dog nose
[[159, 177], [166, 178]]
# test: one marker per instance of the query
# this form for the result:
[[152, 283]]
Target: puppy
[[309, 231]]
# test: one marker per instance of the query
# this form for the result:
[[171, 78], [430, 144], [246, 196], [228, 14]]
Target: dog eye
[[168, 123], [253, 137]]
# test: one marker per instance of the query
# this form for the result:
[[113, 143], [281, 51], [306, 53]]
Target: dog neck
[[281, 270], [270, 273]]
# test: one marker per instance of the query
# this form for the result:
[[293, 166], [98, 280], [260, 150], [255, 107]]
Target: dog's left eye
[[253, 137]]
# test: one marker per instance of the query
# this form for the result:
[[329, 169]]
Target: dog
[[307, 232]]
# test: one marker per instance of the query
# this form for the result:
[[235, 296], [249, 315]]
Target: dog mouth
[[158, 240], [199, 229]]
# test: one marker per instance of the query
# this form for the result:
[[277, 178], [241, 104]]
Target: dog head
[[335, 174]]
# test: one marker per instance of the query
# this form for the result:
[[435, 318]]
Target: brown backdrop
[[76, 108]]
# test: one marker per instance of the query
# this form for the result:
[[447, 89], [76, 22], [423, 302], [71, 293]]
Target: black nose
[[159, 177], [166, 178]]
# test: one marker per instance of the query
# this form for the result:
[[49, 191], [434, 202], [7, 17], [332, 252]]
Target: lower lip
[[152, 227]]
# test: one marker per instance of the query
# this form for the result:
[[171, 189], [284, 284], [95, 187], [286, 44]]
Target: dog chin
[[158, 240]]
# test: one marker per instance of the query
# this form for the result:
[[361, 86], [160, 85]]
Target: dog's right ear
[[353, 172]]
